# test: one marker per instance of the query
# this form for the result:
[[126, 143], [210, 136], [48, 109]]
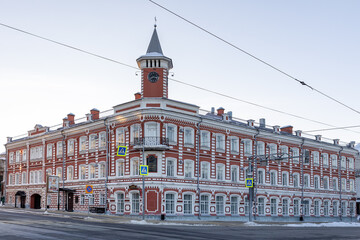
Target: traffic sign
[[88, 189], [249, 182], [144, 169], [121, 151]]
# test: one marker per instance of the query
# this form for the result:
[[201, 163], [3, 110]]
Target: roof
[[154, 45]]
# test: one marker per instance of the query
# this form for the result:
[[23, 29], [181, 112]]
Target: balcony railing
[[151, 142]]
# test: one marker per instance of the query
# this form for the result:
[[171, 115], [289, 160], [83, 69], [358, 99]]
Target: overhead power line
[[256, 58], [172, 79], [335, 128]]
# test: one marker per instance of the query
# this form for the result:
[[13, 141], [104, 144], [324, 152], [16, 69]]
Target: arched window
[[82, 171], [316, 182], [102, 170], [92, 171], [70, 173]]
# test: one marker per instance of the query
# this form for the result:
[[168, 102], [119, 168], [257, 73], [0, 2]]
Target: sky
[[315, 41]]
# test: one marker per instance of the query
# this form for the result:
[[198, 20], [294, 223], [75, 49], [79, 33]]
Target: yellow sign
[[249, 182], [88, 189]]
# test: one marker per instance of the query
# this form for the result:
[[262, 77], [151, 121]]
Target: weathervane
[[155, 23]]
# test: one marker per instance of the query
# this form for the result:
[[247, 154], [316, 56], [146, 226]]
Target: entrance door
[[70, 202], [22, 201], [35, 201]]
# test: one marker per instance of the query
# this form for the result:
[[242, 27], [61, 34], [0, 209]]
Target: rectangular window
[[102, 198], [135, 133], [171, 133], [219, 205], [306, 181], [17, 157], [273, 206], [261, 210], [335, 184], [234, 173], [234, 145], [135, 203], [307, 156], [83, 140], [296, 180], [285, 207], [246, 205], [70, 173], [351, 163], [59, 149], [82, 172], [11, 160], [326, 183], [247, 147], [49, 151], [82, 199], [295, 155], [120, 203], [170, 168], [71, 147], [188, 168], [272, 151], [284, 151], [326, 208], [205, 139], [273, 178], [316, 182], [220, 172], [204, 204], [306, 208], [220, 142], [260, 177], [343, 163], [205, 170], [260, 149], [334, 161], [317, 208], [92, 199], [92, 141], [335, 208], [187, 204], [120, 168], [284, 179], [102, 170], [135, 167], [102, 140], [316, 158], [188, 136], [325, 160], [296, 207], [234, 205], [170, 203], [92, 171], [120, 137]]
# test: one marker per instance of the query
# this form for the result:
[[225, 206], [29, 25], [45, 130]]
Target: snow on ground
[[332, 224]]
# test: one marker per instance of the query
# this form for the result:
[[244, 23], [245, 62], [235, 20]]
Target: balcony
[[151, 143]]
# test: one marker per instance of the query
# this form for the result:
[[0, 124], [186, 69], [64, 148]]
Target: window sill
[[205, 148], [189, 145]]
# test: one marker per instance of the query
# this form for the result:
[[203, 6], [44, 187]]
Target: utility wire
[[253, 56], [335, 128], [178, 81]]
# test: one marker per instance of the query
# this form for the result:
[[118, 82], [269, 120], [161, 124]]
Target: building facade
[[197, 162], [2, 173]]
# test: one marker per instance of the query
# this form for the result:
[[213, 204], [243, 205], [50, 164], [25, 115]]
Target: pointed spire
[[154, 45]]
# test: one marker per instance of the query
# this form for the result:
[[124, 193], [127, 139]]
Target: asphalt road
[[24, 225]]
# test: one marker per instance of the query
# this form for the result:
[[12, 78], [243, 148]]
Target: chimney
[[276, 129], [318, 138], [230, 115], [287, 129], [250, 123], [220, 111], [298, 133], [212, 110], [88, 117], [71, 118], [95, 114], [336, 141], [9, 139], [65, 122], [262, 123], [352, 144], [137, 96]]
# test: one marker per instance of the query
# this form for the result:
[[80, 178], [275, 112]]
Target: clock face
[[153, 77]]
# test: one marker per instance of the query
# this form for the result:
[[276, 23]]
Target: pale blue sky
[[316, 41]]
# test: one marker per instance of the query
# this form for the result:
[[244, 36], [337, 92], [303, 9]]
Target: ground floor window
[[219, 205], [170, 203], [285, 207], [335, 208], [317, 208], [306, 207], [82, 199], [246, 205], [234, 205], [187, 204], [273, 206], [135, 203], [120, 203], [326, 208], [296, 207], [102, 198], [204, 204], [343, 209], [261, 206], [91, 199]]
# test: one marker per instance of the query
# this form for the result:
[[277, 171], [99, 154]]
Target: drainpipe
[[63, 172], [302, 180], [106, 163], [255, 171], [198, 162], [340, 180], [6, 174]]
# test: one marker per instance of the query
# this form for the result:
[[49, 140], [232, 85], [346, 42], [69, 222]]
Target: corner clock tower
[[154, 70]]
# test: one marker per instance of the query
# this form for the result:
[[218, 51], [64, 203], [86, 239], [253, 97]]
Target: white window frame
[[92, 171], [261, 176], [49, 150], [247, 147], [92, 142], [120, 136], [204, 204], [220, 142], [260, 149], [220, 204], [297, 177], [70, 147], [188, 173], [82, 172], [273, 152], [102, 140], [135, 171], [82, 144], [188, 137], [234, 173], [234, 205], [102, 170], [170, 202], [317, 182], [170, 167], [334, 161], [234, 145], [70, 173], [59, 149], [205, 174], [273, 173], [204, 139], [316, 158], [325, 159], [295, 154], [188, 204], [171, 134], [135, 132], [285, 181], [220, 172], [120, 172]]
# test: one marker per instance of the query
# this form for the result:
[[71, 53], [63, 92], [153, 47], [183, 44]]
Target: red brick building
[[197, 162]]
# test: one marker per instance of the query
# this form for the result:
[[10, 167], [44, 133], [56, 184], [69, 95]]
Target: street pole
[[198, 163], [302, 180], [63, 172], [106, 164], [250, 191], [340, 181], [143, 180]]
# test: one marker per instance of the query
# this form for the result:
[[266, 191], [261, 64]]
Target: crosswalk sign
[[144, 169], [249, 182], [122, 151]]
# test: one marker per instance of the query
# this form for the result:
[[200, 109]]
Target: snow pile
[[143, 222], [332, 224]]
